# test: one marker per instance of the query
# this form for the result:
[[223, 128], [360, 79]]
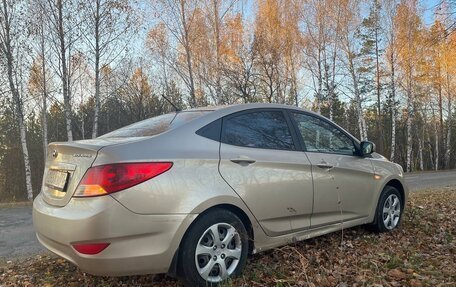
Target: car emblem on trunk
[[82, 155], [54, 153]]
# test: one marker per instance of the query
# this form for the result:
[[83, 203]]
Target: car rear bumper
[[139, 244]]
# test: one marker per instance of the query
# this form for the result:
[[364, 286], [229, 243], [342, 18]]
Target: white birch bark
[[64, 76], [437, 155], [25, 154], [44, 121], [44, 89], [420, 153], [97, 71], [359, 108], [431, 154], [393, 107], [7, 50], [409, 131], [448, 137], [393, 133]]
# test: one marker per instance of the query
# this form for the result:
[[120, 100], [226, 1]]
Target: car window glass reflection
[[155, 125], [266, 129], [320, 136]]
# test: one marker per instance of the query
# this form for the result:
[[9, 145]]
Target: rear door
[[343, 181], [260, 160]]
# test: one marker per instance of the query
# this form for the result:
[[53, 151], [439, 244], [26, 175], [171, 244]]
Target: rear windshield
[[155, 125]]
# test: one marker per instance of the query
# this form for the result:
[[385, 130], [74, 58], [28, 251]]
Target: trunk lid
[[66, 164]]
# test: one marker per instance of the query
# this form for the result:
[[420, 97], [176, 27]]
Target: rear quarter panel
[[192, 185]]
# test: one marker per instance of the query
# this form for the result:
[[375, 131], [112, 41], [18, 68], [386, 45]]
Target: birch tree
[[63, 21], [39, 74], [12, 46], [350, 22], [217, 11], [371, 51], [388, 19], [178, 18], [110, 25], [321, 20], [408, 36]]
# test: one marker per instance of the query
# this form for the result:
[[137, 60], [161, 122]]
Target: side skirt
[[273, 242]]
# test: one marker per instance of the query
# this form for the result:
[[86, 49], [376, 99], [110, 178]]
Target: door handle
[[243, 161], [325, 165]]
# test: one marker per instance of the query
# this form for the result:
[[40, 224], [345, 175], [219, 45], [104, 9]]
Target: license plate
[[56, 179]]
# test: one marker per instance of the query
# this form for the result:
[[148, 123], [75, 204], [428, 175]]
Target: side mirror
[[367, 148]]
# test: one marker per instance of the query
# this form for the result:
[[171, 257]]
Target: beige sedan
[[192, 193]]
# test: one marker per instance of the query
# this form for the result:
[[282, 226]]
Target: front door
[[343, 181]]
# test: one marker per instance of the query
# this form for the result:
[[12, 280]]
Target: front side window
[[262, 129], [321, 136]]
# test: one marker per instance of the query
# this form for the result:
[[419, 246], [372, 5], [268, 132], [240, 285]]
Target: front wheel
[[389, 210], [214, 250]]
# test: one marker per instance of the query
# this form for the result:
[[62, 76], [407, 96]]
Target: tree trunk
[[17, 100], [64, 76], [393, 99], [431, 153], [218, 84], [97, 70], [359, 108], [188, 54], [44, 100], [448, 137], [409, 131], [441, 117], [328, 87], [420, 153], [379, 110], [437, 155], [320, 82], [393, 109], [25, 154]]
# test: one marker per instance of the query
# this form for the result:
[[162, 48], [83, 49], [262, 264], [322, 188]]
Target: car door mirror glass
[[367, 148]]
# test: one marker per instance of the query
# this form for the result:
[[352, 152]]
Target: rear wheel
[[389, 210], [214, 250]]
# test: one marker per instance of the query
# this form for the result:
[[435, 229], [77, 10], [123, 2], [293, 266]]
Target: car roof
[[240, 107], [224, 110]]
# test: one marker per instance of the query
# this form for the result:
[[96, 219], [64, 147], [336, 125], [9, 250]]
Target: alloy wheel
[[218, 252], [391, 211]]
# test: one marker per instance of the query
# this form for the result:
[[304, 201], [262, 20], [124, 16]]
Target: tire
[[204, 266], [389, 210]]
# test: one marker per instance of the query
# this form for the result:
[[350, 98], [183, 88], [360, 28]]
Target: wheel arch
[[396, 183], [174, 271], [400, 187]]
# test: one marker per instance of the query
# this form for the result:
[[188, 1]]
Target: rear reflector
[[90, 249], [105, 179]]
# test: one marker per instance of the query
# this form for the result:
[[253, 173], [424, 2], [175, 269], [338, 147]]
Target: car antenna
[[171, 103]]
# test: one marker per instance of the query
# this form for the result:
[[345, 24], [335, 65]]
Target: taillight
[[105, 179]]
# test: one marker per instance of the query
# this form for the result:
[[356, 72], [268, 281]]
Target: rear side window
[[262, 129], [155, 125]]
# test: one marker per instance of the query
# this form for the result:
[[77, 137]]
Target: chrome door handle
[[243, 161], [325, 165]]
